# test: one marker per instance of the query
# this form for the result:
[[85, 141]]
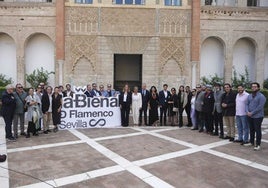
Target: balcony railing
[[28, 1]]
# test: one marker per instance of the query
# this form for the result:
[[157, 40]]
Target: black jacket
[[8, 104], [129, 98], [229, 99], [45, 102], [208, 103]]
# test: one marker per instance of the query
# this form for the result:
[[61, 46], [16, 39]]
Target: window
[[208, 2], [252, 3], [173, 2], [129, 2], [84, 1]]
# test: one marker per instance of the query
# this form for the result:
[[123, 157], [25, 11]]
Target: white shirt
[[241, 101], [125, 97], [50, 102], [193, 103], [165, 93]]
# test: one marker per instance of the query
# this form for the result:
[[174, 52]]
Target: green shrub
[[242, 79], [4, 80], [211, 80], [265, 83], [38, 76]]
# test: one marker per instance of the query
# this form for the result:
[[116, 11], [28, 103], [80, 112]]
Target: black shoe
[[48, 130], [3, 158], [23, 134], [201, 130], [226, 137], [35, 134], [194, 128], [180, 125], [16, 136], [215, 134], [45, 132], [221, 136], [28, 135], [243, 143], [231, 139], [11, 139], [238, 141], [56, 129], [189, 125]]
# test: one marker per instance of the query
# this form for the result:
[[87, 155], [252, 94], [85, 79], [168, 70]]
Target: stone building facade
[[174, 44]]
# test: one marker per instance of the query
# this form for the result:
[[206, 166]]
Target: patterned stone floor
[[132, 157]]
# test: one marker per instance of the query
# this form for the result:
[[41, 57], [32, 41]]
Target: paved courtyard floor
[[132, 157]]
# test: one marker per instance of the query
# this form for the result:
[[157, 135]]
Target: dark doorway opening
[[127, 70]]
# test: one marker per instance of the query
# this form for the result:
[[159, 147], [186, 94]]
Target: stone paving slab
[[247, 152], [132, 157], [117, 180], [140, 147], [105, 132], [203, 170], [54, 162], [60, 136], [191, 136]]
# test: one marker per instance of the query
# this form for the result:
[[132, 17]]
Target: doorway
[[127, 70]]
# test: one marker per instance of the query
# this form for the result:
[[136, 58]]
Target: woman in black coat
[[56, 108], [173, 107], [125, 100], [153, 106]]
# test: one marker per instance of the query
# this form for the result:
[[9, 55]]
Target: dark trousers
[[200, 120], [163, 112], [208, 121], [31, 128], [255, 127], [180, 116], [144, 110], [188, 112], [8, 121], [125, 114], [218, 121]]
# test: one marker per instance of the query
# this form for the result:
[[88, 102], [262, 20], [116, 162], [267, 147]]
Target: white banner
[[81, 112]]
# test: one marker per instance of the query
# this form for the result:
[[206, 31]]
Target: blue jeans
[[242, 128]]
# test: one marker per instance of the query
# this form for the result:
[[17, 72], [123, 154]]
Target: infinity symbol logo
[[100, 122]]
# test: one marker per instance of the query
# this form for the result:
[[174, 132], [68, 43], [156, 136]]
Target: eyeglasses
[[20, 87]]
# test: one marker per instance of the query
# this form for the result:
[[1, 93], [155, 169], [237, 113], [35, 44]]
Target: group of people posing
[[208, 108], [41, 105]]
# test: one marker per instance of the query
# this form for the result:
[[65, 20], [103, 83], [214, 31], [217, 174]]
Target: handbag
[[175, 109]]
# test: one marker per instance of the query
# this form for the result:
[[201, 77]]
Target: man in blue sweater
[[255, 113]]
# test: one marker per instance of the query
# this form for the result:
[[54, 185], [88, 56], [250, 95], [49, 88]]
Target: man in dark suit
[[94, 91], [208, 107], [164, 95], [47, 108], [145, 99], [88, 91], [68, 92], [8, 109]]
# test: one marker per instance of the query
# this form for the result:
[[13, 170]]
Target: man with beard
[[255, 113]]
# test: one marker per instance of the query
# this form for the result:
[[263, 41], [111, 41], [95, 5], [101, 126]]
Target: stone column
[[260, 60], [194, 72], [195, 39], [60, 37]]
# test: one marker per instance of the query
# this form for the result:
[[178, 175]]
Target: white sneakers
[[256, 148]]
